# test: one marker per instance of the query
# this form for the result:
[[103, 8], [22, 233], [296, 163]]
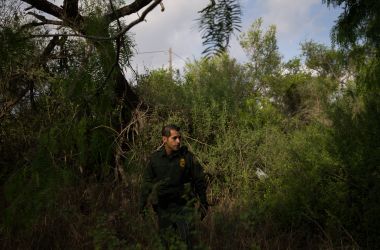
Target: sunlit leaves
[[261, 48]]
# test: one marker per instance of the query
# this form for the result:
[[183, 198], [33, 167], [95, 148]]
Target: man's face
[[172, 142]]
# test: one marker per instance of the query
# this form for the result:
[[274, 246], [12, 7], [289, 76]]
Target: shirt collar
[[174, 154]]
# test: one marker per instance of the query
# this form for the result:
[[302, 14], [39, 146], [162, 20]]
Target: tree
[[359, 22], [261, 48], [94, 26], [356, 119], [327, 62], [217, 22], [75, 29]]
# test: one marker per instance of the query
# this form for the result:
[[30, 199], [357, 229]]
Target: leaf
[[216, 24]]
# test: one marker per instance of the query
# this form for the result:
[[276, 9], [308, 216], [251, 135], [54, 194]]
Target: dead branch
[[47, 7], [43, 19], [36, 24], [128, 9], [102, 38], [140, 19]]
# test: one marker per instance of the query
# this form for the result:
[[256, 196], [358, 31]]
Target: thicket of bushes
[[293, 150]]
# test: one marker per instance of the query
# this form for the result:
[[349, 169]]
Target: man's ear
[[164, 139]]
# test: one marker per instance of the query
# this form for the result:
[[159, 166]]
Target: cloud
[[290, 17], [295, 21], [174, 28]]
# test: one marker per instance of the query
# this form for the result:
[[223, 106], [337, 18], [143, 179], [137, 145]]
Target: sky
[[176, 27]]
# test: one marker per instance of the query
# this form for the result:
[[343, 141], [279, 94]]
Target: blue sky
[[296, 21]]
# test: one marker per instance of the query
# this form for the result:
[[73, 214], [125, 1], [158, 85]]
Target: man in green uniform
[[165, 185]]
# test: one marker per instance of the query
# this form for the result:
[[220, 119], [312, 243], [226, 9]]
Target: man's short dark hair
[[166, 129]]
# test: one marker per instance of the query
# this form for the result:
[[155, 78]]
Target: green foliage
[[288, 128], [17, 56], [32, 191], [326, 62], [217, 23], [213, 94], [49, 152], [285, 130], [291, 148], [105, 237], [262, 49], [302, 184], [359, 22], [160, 89], [356, 118]]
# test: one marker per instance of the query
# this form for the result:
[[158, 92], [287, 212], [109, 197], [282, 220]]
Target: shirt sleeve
[[199, 182], [147, 184]]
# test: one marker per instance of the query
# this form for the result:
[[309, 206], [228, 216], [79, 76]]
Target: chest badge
[[182, 162]]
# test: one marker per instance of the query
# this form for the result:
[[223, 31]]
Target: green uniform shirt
[[165, 177]]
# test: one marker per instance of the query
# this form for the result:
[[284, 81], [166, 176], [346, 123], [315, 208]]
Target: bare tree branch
[[140, 19], [43, 21], [162, 7], [50, 47], [128, 9], [119, 34], [119, 40], [39, 17], [47, 7], [100, 38], [36, 24]]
